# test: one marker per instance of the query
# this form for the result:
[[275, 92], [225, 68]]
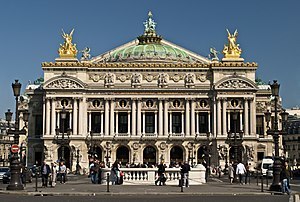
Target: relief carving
[[235, 84], [64, 84], [109, 80], [163, 80]]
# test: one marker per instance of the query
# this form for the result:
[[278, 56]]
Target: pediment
[[234, 83], [64, 82]]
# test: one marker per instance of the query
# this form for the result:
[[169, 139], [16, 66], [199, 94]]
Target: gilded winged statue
[[68, 49], [232, 49]]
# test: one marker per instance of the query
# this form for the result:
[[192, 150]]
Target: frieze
[[136, 80], [95, 77], [176, 77], [189, 80], [202, 77], [64, 83], [109, 80], [163, 80], [235, 83]]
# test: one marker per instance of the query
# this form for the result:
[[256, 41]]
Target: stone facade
[[150, 101]]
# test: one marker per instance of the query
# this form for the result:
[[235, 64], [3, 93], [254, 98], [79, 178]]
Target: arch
[[64, 82], [66, 157], [203, 155], [235, 82], [122, 155], [240, 154], [149, 155], [176, 154]]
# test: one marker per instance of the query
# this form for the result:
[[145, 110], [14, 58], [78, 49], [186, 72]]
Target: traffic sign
[[14, 148]]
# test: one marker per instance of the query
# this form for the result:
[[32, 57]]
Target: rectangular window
[[203, 122], [96, 122], [64, 125], [176, 122], [149, 119], [235, 122], [123, 122], [38, 129], [260, 125], [260, 156]]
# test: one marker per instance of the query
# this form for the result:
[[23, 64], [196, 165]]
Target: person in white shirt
[[241, 170]]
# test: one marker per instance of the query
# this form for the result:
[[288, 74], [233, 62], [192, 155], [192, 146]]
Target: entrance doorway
[[123, 155], [149, 155], [176, 155], [66, 156]]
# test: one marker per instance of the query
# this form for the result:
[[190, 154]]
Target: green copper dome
[[149, 48]]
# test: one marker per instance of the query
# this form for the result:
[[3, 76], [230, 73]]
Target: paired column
[[106, 114], [252, 117], [144, 123], [112, 117], [193, 118], [160, 118], [187, 118], [75, 115], [53, 116], [219, 122], [155, 122], [197, 123], [133, 112], [224, 110], [182, 123], [128, 131], [214, 117], [246, 115], [117, 122], [166, 122], [139, 118], [48, 116]]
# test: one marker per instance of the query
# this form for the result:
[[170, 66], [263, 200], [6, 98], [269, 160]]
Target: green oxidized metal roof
[[149, 48]]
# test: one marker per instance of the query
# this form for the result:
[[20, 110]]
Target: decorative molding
[[64, 83]]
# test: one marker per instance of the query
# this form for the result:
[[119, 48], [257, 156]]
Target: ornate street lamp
[[15, 167], [63, 141], [275, 186]]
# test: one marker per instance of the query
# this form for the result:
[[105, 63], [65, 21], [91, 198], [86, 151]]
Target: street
[[147, 198]]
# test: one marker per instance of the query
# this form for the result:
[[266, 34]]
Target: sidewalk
[[82, 186]]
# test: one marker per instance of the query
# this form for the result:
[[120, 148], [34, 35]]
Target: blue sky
[[269, 32]]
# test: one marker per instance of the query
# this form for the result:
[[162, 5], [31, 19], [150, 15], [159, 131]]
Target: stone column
[[219, 122], [70, 120], [106, 130], [144, 123], [80, 125], [48, 116], [84, 107], [155, 122], [53, 116], [75, 116], [112, 117], [209, 124], [160, 118], [166, 121], [101, 123], [170, 122], [117, 122], [252, 118], [90, 121], [182, 123], [197, 123], [246, 115], [128, 131], [224, 110], [228, 120], [193, 118], [139, 118], [133, 112], [241, 120], [254, 115], [44, 120], [214, 117], [187, 118]]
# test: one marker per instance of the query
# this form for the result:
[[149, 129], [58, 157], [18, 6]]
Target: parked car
[[25, 177], [2, 171]]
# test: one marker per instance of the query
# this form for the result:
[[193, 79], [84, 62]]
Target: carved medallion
[[149, 77], [163, 146], [202, 77], [135, 145]]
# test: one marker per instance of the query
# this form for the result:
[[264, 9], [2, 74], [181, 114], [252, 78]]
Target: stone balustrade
[[136, 176]]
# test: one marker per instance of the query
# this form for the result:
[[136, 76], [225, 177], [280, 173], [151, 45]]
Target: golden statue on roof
[[232, 49], [68, 49]]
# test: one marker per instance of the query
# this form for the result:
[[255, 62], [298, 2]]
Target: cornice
[[234, 64]]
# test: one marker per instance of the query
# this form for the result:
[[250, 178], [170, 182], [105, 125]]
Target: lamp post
[[234, 118], [275, 186], [284, 116], [15, 167], [62, 141]]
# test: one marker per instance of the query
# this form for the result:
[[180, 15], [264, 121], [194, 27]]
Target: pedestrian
[[115, 171], [62, 172], [284, 175], [241, 170], [53, 174], [161, 176], [289, 172], [185, 169], [230, 173], [45, 171], [247, 174]]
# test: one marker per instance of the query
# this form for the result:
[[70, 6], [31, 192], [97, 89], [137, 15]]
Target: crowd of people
[[51, 174]]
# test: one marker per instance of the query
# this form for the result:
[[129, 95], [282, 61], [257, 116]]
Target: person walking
[[230, 173], [115, 171], [241, 170], [62, 172], [284, 176], [185, 169], [161, 176], [45, 171], [53, 174]]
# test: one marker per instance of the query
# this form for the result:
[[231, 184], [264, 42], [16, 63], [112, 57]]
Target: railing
[[149, 175]]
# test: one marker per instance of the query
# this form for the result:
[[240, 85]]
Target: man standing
[[62, 172], [53, 174], [185, 169], [241, 170], [45, 170], [160, 172]]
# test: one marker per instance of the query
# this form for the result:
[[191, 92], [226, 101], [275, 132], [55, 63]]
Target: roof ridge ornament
[[149, 35], [67, 49], [232, 51]]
